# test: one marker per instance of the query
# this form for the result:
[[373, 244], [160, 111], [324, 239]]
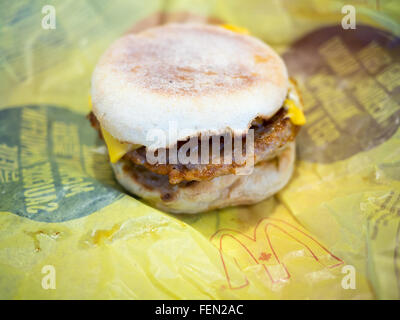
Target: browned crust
[[135, 56]]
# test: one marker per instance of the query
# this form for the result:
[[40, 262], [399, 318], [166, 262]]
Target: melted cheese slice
[[295, 113], [236, 29], [116, 149]]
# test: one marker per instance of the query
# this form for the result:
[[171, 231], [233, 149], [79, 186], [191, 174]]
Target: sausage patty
[[270, 138]]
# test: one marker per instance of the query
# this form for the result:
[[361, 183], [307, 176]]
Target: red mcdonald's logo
[[259, 248]]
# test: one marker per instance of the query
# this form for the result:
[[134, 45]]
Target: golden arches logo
[[260, 249]]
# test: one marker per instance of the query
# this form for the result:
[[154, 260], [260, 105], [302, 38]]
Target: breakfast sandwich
[[196, 117]]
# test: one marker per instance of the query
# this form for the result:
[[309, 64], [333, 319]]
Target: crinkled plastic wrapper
[[67, 230]]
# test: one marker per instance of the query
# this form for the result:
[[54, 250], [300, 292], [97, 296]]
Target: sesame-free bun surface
[[267, 178], [200, 78]]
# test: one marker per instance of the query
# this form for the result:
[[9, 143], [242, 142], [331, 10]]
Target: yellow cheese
[[116, 149], [236, 29], [295, 113]]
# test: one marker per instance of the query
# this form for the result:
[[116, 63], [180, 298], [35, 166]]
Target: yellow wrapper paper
[[67, 230]]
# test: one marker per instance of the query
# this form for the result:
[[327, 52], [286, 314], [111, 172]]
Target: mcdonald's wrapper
[[67, 230]]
